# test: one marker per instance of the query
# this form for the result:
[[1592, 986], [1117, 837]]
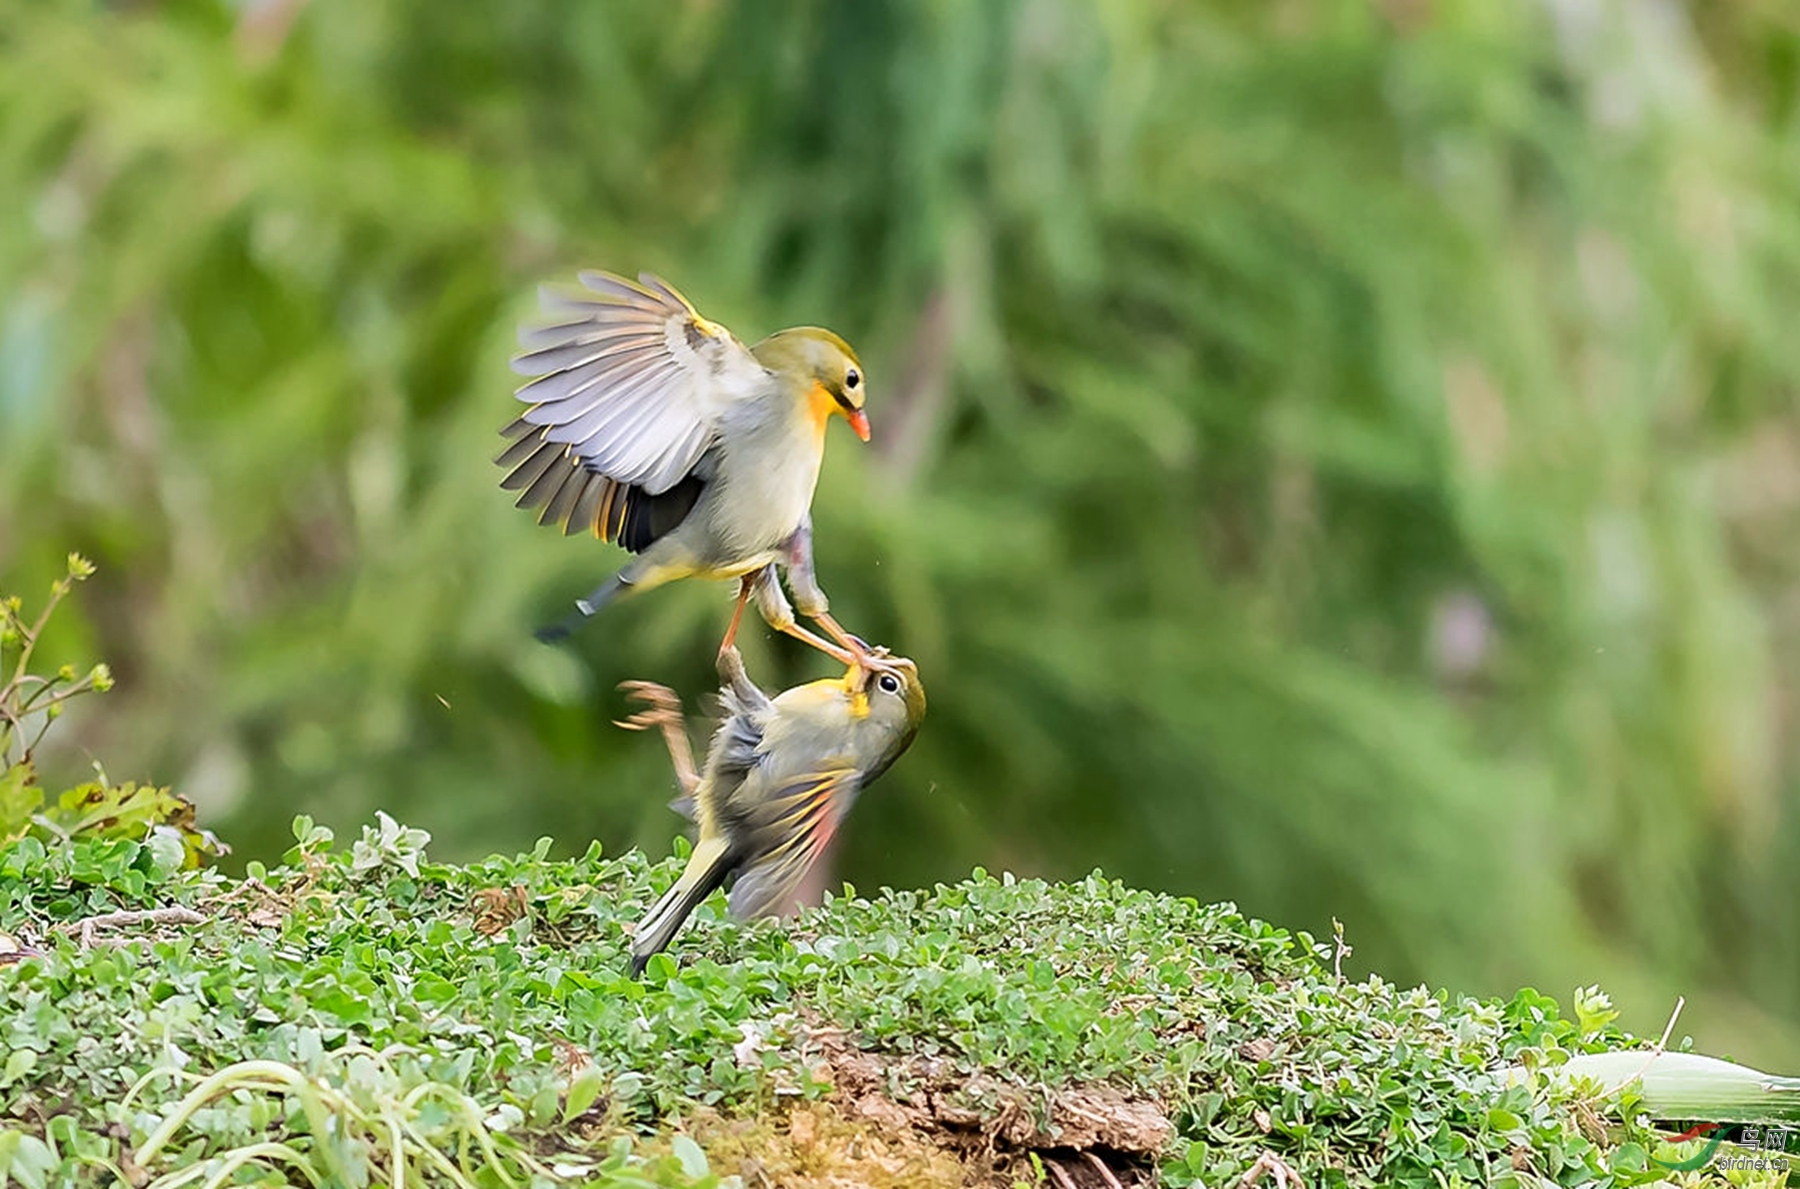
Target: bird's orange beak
[[859, 421]]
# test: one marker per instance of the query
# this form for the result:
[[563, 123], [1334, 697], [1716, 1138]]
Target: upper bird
[[779, 777], [652, 427]]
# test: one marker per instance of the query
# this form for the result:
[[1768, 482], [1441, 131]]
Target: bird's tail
[[706, 869], [603, 594]]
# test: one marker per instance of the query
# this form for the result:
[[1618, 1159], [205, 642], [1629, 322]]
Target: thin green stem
[[268, 1075], [432, 1153], [31, 705], [29, 636]]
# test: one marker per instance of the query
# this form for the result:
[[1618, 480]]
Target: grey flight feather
[[635, 382]]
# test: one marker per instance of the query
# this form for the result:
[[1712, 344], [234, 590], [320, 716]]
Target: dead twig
[[1663, 1041], [89, 926], [1273, 1166], [14, 950], [1063, 1179], [1106, 1174], [1656, 1050], [1661, 1044]]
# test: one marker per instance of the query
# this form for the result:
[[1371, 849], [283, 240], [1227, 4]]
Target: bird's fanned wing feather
[[632, 380], [805, 814], [578, 499]]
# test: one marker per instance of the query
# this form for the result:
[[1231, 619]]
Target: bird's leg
[[854, 651], [746, 584], [853, 642], [663, 712], [844, 656], [804, 582], [732, 674], [779, 614]]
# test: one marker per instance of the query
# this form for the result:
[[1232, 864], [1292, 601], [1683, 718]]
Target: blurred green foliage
[[1338, 456]]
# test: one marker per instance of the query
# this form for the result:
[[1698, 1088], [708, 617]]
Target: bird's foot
[[853, 650], [662, 709], [866, 662]]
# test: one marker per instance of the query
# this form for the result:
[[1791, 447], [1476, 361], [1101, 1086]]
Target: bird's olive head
[[889, 704], [829, 374]]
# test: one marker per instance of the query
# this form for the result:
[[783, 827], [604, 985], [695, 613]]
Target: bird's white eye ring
[[852, 378], [889, 683]]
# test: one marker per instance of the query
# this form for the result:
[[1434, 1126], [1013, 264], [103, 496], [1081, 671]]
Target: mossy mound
[[367, 1016]]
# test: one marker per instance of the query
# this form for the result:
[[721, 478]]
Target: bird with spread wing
[[653, 428], [780, 775]]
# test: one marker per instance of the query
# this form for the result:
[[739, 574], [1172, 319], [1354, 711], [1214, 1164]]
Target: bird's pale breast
[[764, 485]]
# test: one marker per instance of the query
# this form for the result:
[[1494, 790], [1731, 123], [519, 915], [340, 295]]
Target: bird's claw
[[663, 706], [876, 656], [865, 662]]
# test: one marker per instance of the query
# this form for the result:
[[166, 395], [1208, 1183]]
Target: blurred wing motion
[[732, 754], [803, 816], [631, 385]]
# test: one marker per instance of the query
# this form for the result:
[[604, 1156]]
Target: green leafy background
[[1335, 456]]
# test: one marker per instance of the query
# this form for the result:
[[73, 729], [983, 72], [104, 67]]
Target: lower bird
[[780, 775], [657, 429]]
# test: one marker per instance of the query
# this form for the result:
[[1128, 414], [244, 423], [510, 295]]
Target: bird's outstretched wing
[[631, 382], [804, 814]]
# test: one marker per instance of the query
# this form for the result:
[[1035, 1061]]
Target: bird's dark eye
[[852, 378], [889, 683]]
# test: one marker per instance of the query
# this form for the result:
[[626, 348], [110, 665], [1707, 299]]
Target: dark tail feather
[[706, 869], [605, 593]]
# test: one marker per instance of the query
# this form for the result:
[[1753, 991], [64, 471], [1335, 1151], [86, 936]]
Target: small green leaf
[[20, 797], [693, 1160], [31, 1163], [1593, 1010], [167, 851], [19, 1063], [628, 1086], [584, 1091]]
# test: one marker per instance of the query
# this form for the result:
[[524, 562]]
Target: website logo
[[1767, 1149], [1716, 1136]]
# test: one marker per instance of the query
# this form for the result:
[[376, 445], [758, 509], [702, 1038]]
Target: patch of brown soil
[[817, 1147], [977, 1131]]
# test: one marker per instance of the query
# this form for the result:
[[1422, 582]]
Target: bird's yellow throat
[[822, 405]]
